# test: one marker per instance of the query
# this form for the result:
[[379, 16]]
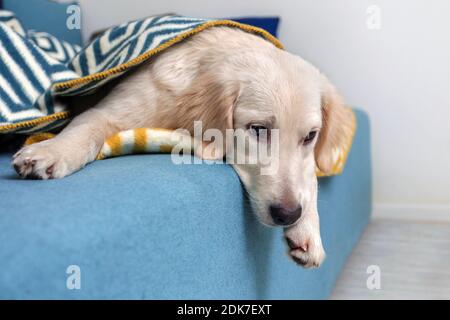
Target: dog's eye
[[257, 129], [309, 138]]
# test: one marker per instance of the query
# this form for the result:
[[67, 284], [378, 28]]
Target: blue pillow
[[44, 15], [270, 24]]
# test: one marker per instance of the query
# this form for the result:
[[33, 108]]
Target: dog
[[226, 78]]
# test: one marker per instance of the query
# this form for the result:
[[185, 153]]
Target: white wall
[[399, 74]]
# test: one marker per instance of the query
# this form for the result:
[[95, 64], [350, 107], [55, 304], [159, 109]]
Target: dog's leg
[[303, 238], [73, 148], [129, 105]]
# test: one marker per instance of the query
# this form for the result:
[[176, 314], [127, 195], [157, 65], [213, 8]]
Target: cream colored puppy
[[225, 78]]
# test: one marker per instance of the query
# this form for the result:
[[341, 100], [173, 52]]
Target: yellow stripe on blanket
[[146, 140]]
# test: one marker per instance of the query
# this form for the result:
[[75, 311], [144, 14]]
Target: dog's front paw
[[43, 160], [305, 245]]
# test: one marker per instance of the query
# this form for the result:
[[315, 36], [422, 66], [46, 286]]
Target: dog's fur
[[226, 78]]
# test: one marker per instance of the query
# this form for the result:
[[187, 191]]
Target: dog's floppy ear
[[338, 125], [211, 101]]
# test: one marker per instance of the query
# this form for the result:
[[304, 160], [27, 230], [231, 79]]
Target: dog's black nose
[[283, 216]]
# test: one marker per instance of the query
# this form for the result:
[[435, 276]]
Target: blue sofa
[[31, 13], [140, 227]]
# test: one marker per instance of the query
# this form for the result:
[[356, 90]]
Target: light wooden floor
[[414, 260]]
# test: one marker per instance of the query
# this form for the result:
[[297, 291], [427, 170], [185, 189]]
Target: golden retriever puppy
[[227, 79]]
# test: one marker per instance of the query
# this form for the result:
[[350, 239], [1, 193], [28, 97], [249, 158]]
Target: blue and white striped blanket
[[36, 67]]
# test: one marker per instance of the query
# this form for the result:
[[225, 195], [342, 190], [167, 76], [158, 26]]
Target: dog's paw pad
[[39, 161], [305, 253]]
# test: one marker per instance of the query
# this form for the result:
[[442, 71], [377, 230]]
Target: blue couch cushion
[[44, 15], [141, 227], [270, 24]]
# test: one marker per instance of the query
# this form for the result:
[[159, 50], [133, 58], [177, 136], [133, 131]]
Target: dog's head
[[285, 108]]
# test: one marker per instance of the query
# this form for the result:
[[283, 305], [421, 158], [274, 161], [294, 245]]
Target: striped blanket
[[35, 67]]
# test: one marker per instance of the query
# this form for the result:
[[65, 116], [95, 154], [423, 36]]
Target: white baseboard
[[419, 212]]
